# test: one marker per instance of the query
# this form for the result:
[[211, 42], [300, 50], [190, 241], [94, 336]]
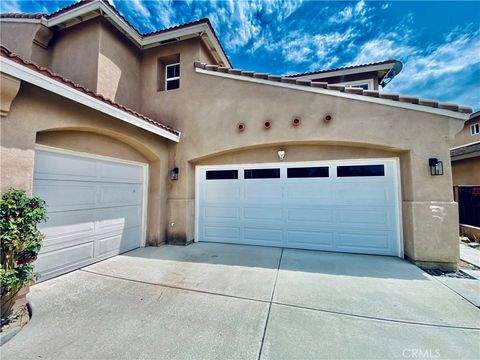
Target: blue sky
[[438, 42]]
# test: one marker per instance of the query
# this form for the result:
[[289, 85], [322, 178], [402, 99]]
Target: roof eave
[[376, 100], [94, 9], [342, 72]]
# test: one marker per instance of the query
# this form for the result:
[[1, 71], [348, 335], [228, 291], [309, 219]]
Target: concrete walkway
[[470, 255], [214, 301]]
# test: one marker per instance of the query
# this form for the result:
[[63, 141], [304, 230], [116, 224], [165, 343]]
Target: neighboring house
[[465, 156], [147, 144], [466, 153], [367, 76]]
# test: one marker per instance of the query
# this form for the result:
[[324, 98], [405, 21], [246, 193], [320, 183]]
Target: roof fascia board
[[335, 93], [471, 155], [465, 145], [24, 20], [28, 75], [140, 41], [345, 72]]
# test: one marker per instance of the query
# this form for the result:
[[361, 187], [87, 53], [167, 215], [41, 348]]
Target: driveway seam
[[270, 306], [288, 305], [378, 318], [434, 278], [175, 287]]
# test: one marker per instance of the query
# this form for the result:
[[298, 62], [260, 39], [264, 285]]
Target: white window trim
[[368, 82], [172, 78], [473, 130]]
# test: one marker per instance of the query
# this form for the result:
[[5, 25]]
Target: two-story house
[[141, 139]]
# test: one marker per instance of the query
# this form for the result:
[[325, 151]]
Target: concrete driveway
[[215, 301]]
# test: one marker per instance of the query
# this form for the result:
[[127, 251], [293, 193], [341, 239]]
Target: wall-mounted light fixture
[[436, 166], [174, 173], [281, 154]]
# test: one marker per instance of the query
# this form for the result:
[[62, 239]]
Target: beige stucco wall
[[37, 116], [466, 171], [465, 137], [118, 74], [74, 53], [18, 37]]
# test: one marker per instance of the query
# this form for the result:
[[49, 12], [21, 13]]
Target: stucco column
[[180, 228], [430, 215], [17, 142]]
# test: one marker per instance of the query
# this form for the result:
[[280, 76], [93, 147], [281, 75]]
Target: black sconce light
[[436, 166], [174, 173]]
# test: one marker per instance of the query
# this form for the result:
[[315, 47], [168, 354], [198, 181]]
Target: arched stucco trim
[[340, 147], [132, 143]]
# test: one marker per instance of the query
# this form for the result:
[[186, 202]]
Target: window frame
[[368, 82], [475, 129], [167, 79]]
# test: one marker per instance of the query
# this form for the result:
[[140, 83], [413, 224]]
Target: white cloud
[[138, 7], [10, 6]]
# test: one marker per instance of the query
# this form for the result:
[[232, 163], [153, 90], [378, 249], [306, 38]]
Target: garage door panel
[[271, 236], [50, 165], [262, 213], [362, 216], [319, 240], [130, 239], [66, 195], [88, 220], [263, 190], [309, 214], [307, 191], [221, 212], [114, 172], [213, 232], [362, 194], [354, 240], [119, 195], [66, 257], [218, 191]]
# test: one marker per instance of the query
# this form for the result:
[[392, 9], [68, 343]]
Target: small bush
[[20, 242]]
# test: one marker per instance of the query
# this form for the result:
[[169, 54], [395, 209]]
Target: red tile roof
[[386, 62], [341, 88], [6, 53]]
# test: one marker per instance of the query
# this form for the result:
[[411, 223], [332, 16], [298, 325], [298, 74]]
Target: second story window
[[172, 76], [474, 129]]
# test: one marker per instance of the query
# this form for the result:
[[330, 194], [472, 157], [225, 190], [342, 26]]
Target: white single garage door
[[345, 206], [95, 209]]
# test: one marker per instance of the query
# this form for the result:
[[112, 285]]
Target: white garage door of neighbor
[[345, 206], [95, 209]]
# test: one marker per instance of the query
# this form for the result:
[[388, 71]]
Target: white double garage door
[[344, 206], [95, 209]]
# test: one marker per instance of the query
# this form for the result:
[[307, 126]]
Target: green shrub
[[20, 242]]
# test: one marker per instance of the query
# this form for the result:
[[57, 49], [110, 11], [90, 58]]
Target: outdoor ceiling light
[[436, 166], [174, 173]]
